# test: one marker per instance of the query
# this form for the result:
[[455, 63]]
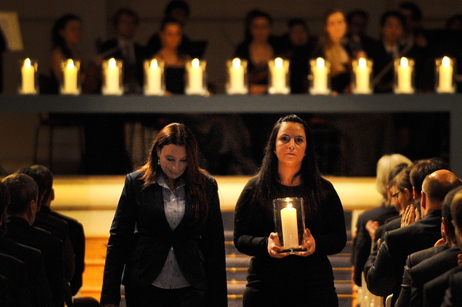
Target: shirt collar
[[161, 181]]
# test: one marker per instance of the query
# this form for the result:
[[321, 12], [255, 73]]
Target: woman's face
[[260, 28], [173, 161], [291, 144], [400, 199], [392, 30], [171, 35], [336, 26], [72, 32]]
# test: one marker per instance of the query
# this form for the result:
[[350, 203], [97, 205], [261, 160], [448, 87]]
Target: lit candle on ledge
[[28, 71], [112, 77], [320, 77], [195, 80], [289, 226], [362, 69], [445, 75], [70, 77], [279, 69], [153, 70], [404, 71], [236, 77]]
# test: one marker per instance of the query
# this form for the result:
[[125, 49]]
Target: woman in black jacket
[[289, 169], [167, 238]]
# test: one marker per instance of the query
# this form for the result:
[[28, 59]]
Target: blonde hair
[[384, 166]]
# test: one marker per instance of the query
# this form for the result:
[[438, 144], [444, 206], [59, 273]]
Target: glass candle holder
[[289, 219], [404, 76], [195, 78], [279, 76], [319, 77], [237, 77], [112, 77], [29, 81], [154, 77], [70, 77], [444, 81], [361, 79]]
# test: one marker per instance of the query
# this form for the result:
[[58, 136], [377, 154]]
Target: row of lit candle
[[237, 77]]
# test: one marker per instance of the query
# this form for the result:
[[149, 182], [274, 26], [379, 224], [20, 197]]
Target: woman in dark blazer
[[167, 238]]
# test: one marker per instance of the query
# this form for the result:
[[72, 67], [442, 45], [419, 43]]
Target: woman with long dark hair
[[289, 169], [167, 238]]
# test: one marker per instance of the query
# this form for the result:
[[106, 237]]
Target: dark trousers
[[151, 296]]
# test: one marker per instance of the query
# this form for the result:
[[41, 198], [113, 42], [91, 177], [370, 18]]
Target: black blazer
[[15, 291], [199, 249]]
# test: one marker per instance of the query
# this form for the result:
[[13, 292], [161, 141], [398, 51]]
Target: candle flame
[[404, 63], [446, 62], [320, 63], [70, 64], [362, 63], [236, 63], [278, 62], [154, 64], [195, 63], [27, 63], [112, 63]]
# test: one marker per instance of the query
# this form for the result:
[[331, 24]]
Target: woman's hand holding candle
[[309, 243], [274, 246]]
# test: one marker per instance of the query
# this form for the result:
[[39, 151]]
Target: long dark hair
[[179, 134], [56, 38], [268, 176]]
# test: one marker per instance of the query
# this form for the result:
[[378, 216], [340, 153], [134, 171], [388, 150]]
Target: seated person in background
[[21, 213], [384, 269], [124, 47], [180, 11], [424, 265], [362, 239], [297, 48], [357, 21]]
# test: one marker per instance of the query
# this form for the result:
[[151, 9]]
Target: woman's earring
[[158, 161]]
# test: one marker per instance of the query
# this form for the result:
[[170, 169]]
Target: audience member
[[362, 240], [124, 47], [298, 46], [14, 288], [357, 21], [21, 215], [384, 269], [424, 265]]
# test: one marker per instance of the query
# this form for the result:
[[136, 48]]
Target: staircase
[[237, 264]]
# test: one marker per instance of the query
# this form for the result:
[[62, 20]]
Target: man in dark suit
[[15, 291], [384, 269], [424, 265], [21, 213], [40, 294]]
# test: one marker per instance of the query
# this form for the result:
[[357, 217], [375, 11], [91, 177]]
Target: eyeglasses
[[396, 194]]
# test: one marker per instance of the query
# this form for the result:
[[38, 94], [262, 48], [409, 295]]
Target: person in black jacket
[[167, 237], [289, 169]]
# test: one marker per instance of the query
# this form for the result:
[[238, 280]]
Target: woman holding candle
[[167, 237], [289, 169]]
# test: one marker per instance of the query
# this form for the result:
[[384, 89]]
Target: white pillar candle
[[362, 73], [153, 71], [404, 75], [278, 75], [112, 74], [236, 80], [28, 78], [70, 78], [289, 226], [195, 84], [320, 74], [445, 76]]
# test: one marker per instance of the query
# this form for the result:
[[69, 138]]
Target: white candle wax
[[28, 78], [320, 76], [236, 77], [278, 76], [195, 77], [404, 77], [289, 226], [445, 76], [112, 78], [154, 78], [70, 75], [362, 75]]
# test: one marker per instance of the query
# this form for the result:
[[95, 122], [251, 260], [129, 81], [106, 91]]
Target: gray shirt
[[174, 206]]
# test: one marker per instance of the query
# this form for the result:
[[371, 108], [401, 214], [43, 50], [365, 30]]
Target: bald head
[[435, 187]]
